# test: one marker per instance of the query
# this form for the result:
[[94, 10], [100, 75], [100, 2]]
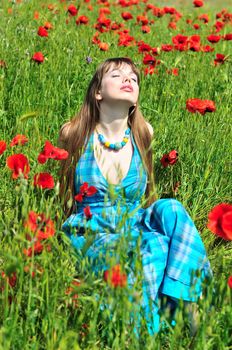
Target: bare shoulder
[[65, 129], [64, 134], [150, 128]]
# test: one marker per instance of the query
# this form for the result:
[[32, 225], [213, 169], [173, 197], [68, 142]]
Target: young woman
[[110, 173]]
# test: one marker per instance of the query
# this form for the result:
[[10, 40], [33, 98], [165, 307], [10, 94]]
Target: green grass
[[36, 100]]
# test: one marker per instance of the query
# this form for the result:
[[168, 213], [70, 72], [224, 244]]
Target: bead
[[117, 145]]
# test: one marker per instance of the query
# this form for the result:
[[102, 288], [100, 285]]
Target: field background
[[35, 100]]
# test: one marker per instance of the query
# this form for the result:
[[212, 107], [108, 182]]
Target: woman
[[110, 173]]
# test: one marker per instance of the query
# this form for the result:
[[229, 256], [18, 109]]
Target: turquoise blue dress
[[173, 256]]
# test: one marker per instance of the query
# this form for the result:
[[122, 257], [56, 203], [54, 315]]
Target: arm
[[150, 128]]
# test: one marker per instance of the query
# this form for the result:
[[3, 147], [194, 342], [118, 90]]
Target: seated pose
[[110, 173]]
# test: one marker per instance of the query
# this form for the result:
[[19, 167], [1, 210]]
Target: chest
[[114, 166]]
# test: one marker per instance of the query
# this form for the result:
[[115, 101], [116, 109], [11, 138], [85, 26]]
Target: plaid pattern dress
[[171, 249]]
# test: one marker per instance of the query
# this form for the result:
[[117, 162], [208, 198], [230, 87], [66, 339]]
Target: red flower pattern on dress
[[2, 146], [220, 220], [51, 152], [19, 164], [19, 140], [44, 180], [115, 277], [194, 105]]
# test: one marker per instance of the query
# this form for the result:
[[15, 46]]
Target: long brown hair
[[74, 135]]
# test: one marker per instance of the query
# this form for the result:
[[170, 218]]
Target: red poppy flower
[[148, 59], [169, 158], [19, 140], [198, 3], [115, 277], [85, 190], [207, 48], [3, 64], [167, 47], [173, 71], [213, 38], [37, 248], [150, 70], [126, 16], [194, 105], [72, 10], [219, 25], [19, 164], [71, 291], [145, 29], [47, 25], [227, 37], [230, 282], [42, 31], [42, 226], [87, 212], [143, 47], [196, 26], [220, 59], [51, 152], [38, 57], [44, 180], [2, 146], [125, 39], [82, 20], [220, 220], [172, 25], [204, 18], [11, 279], [142, 19], [103, 46]]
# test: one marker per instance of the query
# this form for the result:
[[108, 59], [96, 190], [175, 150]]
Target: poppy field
[[49, 51]]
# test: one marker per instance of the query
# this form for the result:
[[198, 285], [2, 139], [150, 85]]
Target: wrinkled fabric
[[173, 256]]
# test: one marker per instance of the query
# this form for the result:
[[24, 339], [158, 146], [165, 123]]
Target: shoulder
[[64, 134], [65, 129], [150, 128]]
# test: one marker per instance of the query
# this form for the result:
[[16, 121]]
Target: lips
[[128, 88]]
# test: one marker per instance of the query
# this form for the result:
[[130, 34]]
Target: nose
[[126, 78]]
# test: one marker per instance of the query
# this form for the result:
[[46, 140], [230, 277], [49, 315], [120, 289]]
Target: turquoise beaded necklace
[[117, 145]]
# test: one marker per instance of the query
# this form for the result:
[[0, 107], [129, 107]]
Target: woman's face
[[119, 84]]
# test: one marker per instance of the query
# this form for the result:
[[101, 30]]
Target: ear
[[98, 96]]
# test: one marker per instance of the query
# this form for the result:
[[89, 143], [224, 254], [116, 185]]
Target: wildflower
[[85, 190], [47, 25], [169, 158], [88, 59], [82, 20], [207, 48], [2, 64], [44, 180], [51, 152], [19, 164], [19, 140], [220, 220], [230, 282], [2, 146], [204, 18], [126, 16], [220, 59], [37, 248], [213, 38], [115, 277], [198, 3], [145, 29], [194, 105], [227, 36], [41, 226], [173, 71], [72, 10], [103, 46], [70, 291], [38, 57], [196, 26], [167, 47], [42, 31]]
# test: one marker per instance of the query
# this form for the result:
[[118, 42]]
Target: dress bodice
[[130, 189]]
